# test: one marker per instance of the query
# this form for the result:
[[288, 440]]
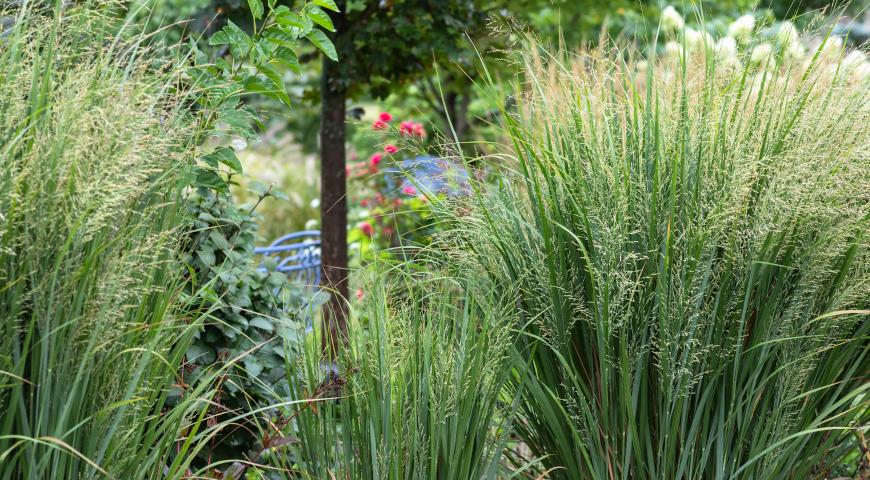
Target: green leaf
[[262, 324], [209, 179], [327, 4], [256, 7], [266, 86], [288, 59], [279, 37], [206, 257], [279, 91], [319, 299], [257, 188], [238, 120], [323, 43], [198, 353], [319, 17], [228, 277], [272, 74], [199, 58], [240, 43], [252, 366], [225, 155], [219, 38], [287, 18], [218, 239], [279, 195]]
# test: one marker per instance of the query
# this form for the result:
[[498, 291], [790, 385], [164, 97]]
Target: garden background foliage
[[658, 268]]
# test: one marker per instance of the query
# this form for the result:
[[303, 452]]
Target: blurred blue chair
[[298, 256], [431, 174]]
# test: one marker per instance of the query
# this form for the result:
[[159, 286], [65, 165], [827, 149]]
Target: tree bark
[[333, 207]]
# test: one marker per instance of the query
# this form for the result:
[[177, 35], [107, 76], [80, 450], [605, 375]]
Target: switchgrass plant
[[416, 394], [93, 141], [688, 240]]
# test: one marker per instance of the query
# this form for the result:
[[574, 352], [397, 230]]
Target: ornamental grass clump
[[688, 240], [93, 142], [417, 393]]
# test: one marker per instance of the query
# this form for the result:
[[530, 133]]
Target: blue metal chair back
[[298, 256]]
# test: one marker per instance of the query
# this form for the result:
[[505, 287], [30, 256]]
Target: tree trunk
[[333, 206]]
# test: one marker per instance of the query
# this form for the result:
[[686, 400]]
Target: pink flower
[[418, 130], [385, 117], [346, 171], [359, 294], [405, 128], [366, 228], [379, 125], [364, 202], [375, 159], [391, 149], [409, 190], [388, 231]]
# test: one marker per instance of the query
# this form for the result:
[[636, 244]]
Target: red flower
[[346, 171], [364, 202], [375, 159], [418, 130], [379, 125], [359, 294], [391, 149], [385, 117], [388, 231], [366, 228], [405, 128], [379, 199]]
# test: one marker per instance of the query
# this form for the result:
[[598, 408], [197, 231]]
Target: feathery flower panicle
[[726, 49], [672, 20], [673, 49], [862, 72], [741, 28], [795, 52], [831, 47], [697, 40], [787, 34], [853, 60], [761, 54]]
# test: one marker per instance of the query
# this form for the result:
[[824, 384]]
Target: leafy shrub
[[688, 237], [250, 329], [253, 318]]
